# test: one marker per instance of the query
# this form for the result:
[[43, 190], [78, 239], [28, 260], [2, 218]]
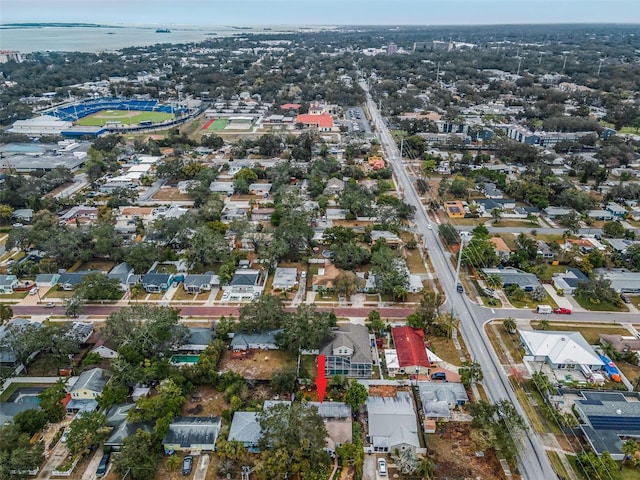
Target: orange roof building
[[323, 122], [376, 162]]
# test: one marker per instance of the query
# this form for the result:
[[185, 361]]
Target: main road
[[534, 463]]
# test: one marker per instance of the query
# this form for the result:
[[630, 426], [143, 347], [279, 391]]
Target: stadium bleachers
[[82, 109]]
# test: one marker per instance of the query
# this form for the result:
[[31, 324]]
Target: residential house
[[195, 434], [262, 214], [23, 215], [81, 332], [390, 238], [334, 186], [454, 209], [335, 214], [131, 214], [410, 351], [121, 428], [223, 188], [392, 423], [8, 283], [80, 213], [89, 384], [487, 205], [544, 250], [618, 211], [440, 399], [376, 162], [600, 215], [246, 430], [415, 284], [7, 356], [262, 189], [154, 282], [246, 284], [338, 422], [68, 280], [198, 283], [105, 349], [560, 350], [490, 190], [514, 276], [620, 245], [255, 340], [607, 419], [123, 273], [555, 212], [285, 278], [47, 279], [622, 344], [622, 280], [349, 352], [198, 340], [325, 278], [568, 281], [502, 249]]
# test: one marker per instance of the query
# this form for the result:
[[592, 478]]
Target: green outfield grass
[[126, 117], [219, 124]]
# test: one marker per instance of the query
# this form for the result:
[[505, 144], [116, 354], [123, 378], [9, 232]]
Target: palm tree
[[400, 294], [510, 325], [543, 324], [445, 324], [496, 213], [493, 280], [470, 372], [609, 351], [542, 382], [135, 291], [6, 313]]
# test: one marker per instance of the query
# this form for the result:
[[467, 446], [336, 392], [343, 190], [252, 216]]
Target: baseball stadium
[[96, 116]]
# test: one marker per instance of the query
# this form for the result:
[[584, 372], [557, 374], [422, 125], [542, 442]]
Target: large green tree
[[265, 314], [85, 431], [295, 437], [51, 401], [138, 458]]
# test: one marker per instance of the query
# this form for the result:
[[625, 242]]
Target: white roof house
[[392, 423], [560, 349]]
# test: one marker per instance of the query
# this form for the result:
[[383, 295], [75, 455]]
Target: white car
[[382, 467], [34, 290], [429, 226]]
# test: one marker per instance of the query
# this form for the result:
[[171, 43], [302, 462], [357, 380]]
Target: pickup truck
[[562, 311]]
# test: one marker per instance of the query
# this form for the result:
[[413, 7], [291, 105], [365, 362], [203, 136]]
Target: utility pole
[[564, 64], [463, 236], [599, 67], [519, 63]]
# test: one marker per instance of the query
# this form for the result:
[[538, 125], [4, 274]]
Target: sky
[[321, 12]]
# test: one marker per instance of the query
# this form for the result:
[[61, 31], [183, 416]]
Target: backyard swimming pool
[[184, 359]]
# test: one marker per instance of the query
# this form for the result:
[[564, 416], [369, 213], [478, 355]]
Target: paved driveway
[[369, 470], [203, 465]]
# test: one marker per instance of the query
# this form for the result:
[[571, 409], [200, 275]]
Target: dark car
[[102, 466], [439, 376], [187, 465], [625, 299], [459, 288]]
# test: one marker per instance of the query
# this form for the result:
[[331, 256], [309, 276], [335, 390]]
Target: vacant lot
[[259, 366], [96, 265], [171, 194], [454, 452]]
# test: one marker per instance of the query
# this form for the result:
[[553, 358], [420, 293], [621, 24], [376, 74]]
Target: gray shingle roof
[[187, 431], [353, 336], [93, 380], [245, 428], [392, 421]]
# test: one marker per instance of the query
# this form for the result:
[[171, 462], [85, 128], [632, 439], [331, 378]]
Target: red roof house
[[290, 106], [323, 122], [411, 351]]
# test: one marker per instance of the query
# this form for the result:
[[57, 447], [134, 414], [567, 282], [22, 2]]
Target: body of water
[[100, 39]]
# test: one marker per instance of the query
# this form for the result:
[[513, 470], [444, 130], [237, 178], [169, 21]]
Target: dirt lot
[[454, 453], [259, 366], [172, 194], [383, 390], [206, 401]]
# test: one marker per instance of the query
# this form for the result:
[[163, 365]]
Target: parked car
[[382, 467], [102, 466], [562, 311], [65, 435], [50, 305], [624, 298], [34, 290], [187, 465], [439, 376]]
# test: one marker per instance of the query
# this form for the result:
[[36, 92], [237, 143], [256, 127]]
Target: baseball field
[[126, 117]]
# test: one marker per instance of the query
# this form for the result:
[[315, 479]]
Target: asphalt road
[[534, 464]]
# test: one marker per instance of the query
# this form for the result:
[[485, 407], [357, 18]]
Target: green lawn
[[126, 117], [599, 307], [546, 271], [218, 125], [529, 303]]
